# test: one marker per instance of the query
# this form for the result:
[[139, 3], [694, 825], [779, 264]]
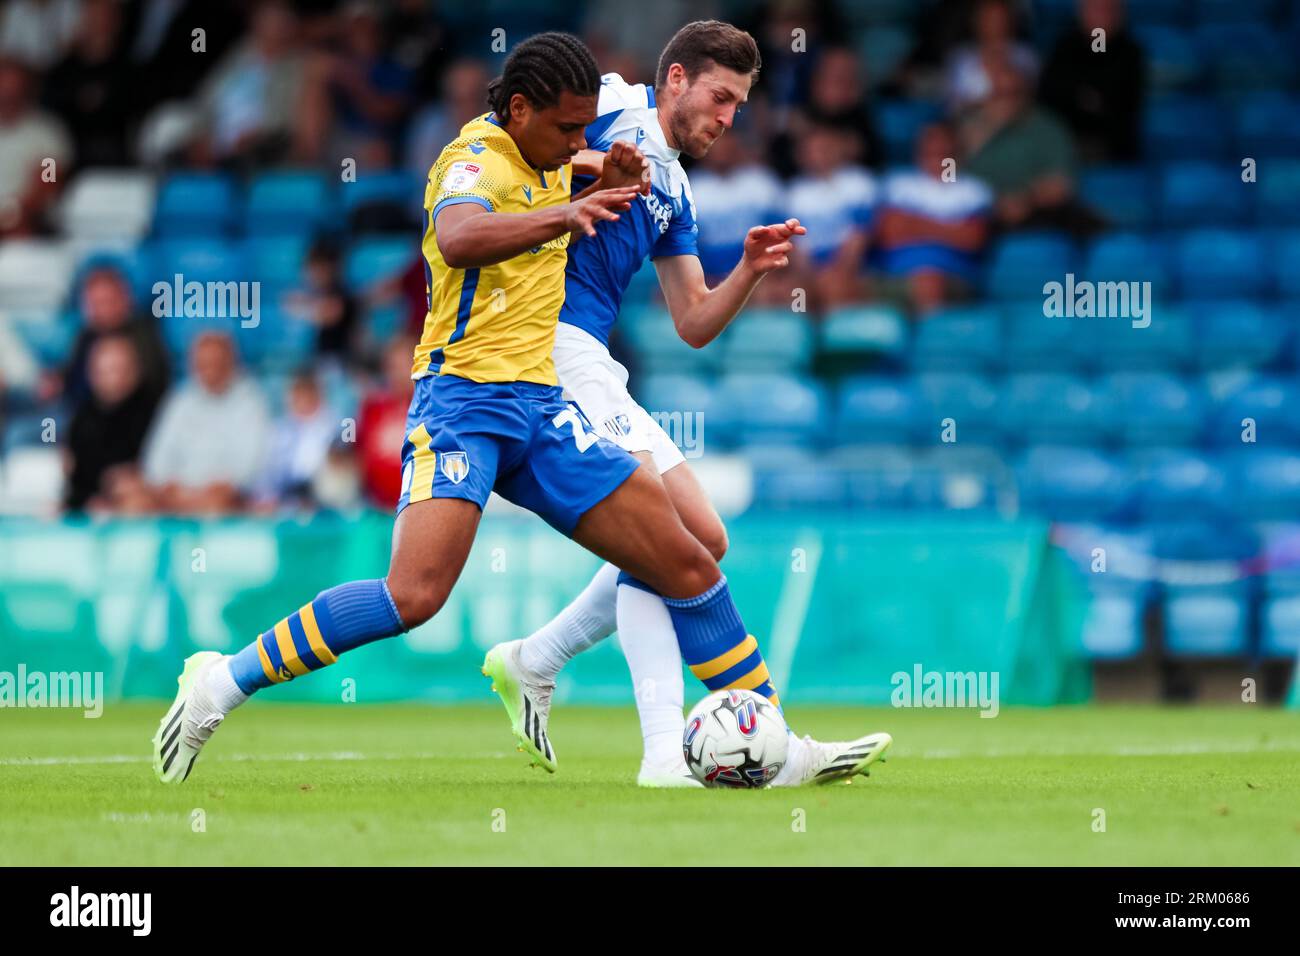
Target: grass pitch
[[422, 785]]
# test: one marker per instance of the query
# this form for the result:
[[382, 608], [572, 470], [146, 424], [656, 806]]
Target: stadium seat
[[396, 187], [772, 408], [1267, 128], [876, 478], [1278, 182], [1225, 12], [35, 274], [280, 342], [682, 404], [879, 410], [1284, 254], [1154, 409], [959, 339], [277, 261], [1219, 264], [1174, 59], [1164, 12], [1020, 264], [1128, 257], [883, 49], [197, 260], [31, 480], [1280, 626], [288, 203], [767, 340], [1053, 408], [1074, 484], [1173, 483], [958, 479], [1271, 401], [1200, 193], [899, 122], [1113, 622], [1035, 342], [1185, 126], [196, 204], [971, 401], [864, 330], [108, 204], [1166, 343], [1207, 620], [1237, 334], [371, 261], [650, 331], [1122, 194], [1246, 57], [790, 479], [1267, 483]]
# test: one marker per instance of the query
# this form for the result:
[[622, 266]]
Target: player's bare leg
[[431, 541]]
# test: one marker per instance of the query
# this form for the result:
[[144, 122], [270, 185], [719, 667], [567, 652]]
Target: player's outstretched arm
[[470, 236], [700, 313]]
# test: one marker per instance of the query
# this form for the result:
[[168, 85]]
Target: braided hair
[[541, 68]]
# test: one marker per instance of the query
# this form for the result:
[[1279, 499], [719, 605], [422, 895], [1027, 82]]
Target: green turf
[[355, 784]]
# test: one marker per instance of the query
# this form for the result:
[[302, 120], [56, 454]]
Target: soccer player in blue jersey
[[703, 77], [487, 412]]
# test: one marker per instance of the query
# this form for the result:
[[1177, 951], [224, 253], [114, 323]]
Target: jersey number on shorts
[[581, 437]]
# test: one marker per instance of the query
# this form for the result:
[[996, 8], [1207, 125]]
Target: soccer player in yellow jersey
[[487, 415]]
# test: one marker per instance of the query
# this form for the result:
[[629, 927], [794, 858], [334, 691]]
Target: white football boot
[[668, 773], [812, 761], [527, 699], [189, 721]]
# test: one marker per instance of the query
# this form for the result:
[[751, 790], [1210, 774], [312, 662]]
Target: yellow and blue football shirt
[[492, 323]]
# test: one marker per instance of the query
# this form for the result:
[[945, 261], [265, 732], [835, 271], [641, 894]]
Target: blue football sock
[[313, 636]]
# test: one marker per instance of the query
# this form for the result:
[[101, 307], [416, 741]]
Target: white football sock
[[588, 620], [794, 761], [221, 687], [649, 641]]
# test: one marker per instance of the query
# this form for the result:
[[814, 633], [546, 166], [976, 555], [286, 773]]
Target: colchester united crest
[[455, 465]]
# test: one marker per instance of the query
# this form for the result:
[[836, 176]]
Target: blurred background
[[918, 465]]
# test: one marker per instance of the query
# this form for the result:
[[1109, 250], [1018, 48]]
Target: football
[[735, 738]]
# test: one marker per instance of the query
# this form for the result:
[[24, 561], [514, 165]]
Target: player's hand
[[767, 248], [625, 165], [602, 205]]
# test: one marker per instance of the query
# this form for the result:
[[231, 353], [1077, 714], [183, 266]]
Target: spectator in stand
[[326, 303], [108, 308], [109, 425], [37, 32], [381, 426], [208, 443], [1099, 95], [435, 126], [369, 92], [994, 29], [265, 102], [29, 140], [732, 192], [836, 200], [837, 96], [300, 442], [1026, 155], [933, 223], [90, 87]]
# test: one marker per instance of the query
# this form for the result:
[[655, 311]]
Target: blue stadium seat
[[280, 342], [1053, 408], [394, 186], [1166, 343], [874, 330], [1128, 257], [667, 393], [959, 339], [650, 331], [1154, 409], [1278, 203], [196, 204], [1185, 126], [950, 480], [1207, 620], [1220, 264], [1020, 264], [1237, 334], [1280, 625], [1200, 193], [1164, 12], [1284, 254], [1113, 625], [1074, 484], [1038, 343], [770, 408], [1268, 127], [971, 401], [276, 261], [877, 478], [1246, 57], [899, 122], [883, 49], [878, 410], [288, 203], [1122, 194], [198, 260], [1174, 58], [1173, 483], [1271, 401], [767, 340], [789, 479], [371, 261], [1223, 12], [1267, 482]]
